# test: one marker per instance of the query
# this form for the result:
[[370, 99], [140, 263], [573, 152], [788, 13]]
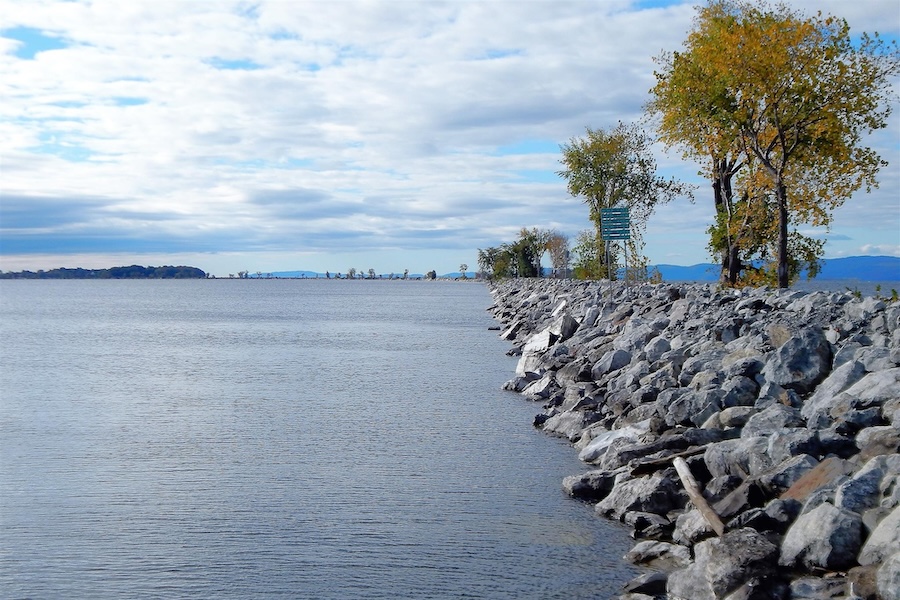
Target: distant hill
[[861, 268], [701, 272], [131, 272]]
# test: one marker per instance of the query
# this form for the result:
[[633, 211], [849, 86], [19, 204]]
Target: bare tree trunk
[[783, 275]]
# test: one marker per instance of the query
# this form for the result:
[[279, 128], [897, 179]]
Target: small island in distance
[[131, 272]]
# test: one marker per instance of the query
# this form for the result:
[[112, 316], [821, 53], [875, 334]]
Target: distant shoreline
[[129, 272]]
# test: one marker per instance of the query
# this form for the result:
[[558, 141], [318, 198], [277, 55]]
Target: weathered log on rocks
[[693, 491], [784, 407]]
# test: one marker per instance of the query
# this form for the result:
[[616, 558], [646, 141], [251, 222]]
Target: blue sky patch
[[233, 65], [32, 41], [129, 101], [530, 147], [66, 151]]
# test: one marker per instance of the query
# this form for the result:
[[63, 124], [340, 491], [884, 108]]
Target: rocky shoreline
[[748, 437]]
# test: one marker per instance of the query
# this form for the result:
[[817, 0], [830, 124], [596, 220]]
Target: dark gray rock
[[739, 391], [592, 486], [775, 418], [793, 442], [816, 409], [570, 424], [692, 407], [826, 537], [564, 326], [800, 362], [742, 457], [782, 476], [651, 584], [611, 361], [704, 361], [647, 525], [656, 494], [864, 489], [723, 565]]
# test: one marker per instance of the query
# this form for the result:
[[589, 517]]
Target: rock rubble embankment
[[784, 406]]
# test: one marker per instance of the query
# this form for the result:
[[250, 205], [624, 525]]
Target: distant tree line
[[132, 272]]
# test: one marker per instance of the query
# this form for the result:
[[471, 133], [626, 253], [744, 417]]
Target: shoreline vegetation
[[748, 437]]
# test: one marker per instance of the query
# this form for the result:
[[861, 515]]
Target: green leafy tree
[[592, 257], [616, 168]]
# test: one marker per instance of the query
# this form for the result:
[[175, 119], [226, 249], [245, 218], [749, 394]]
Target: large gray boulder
[[801, 362], [611, 361], [864, 490], [723, 565], [591, 486], [888, 577], [598, 446], [884, 540], [742, 457], [878, 387], [564, 326], [655, 494], [816, 409], [774, 418], [786, 473], [826, 537]]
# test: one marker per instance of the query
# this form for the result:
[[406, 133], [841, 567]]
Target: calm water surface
[[298, 439]]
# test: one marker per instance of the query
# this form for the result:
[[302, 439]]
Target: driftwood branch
[[690, 485], [655, 464]]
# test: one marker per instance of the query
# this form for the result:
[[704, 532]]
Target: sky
[[278, 135]]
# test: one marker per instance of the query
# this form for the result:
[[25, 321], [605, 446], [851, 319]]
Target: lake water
[[279, 438]]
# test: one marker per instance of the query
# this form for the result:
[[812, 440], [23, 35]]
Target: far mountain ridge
[[861, 268]]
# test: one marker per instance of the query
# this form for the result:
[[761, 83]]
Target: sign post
[[615, 224]]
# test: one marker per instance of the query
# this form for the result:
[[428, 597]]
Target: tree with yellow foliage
[[791, 97]]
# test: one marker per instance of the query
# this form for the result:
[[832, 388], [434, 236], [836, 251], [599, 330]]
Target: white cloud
[[279, 127]]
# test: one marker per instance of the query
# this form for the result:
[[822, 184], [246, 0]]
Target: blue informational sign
[[615, 224]]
